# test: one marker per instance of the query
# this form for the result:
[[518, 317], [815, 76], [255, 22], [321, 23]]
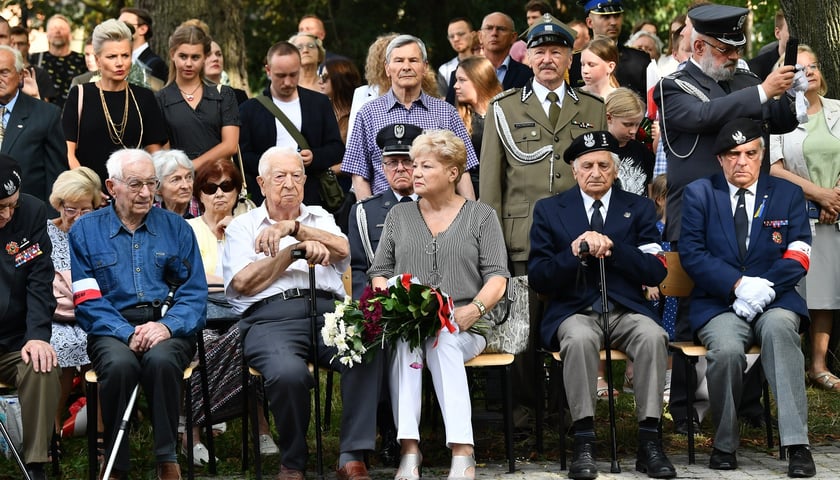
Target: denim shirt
[[114, 269]]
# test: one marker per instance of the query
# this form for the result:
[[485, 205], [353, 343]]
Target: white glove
[[745, 310], [797, 91], [756, 291]]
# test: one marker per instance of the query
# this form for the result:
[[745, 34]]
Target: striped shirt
[[364, 158], [468, 253]]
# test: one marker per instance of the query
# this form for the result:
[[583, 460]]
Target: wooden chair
[[92, 381], [503, 362], [678, 284]]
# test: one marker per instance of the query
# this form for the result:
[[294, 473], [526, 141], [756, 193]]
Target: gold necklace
[[190, 96], [116, 131]]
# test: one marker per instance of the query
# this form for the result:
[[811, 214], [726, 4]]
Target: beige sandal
[[460, 466], [602, 391], [824, 380], [410, 467]]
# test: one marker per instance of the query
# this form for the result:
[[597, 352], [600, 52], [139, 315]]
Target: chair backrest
[[677, 283]]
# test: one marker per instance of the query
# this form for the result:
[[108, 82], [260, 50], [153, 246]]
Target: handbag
[[332, 195], [510, 319], [243, 202]]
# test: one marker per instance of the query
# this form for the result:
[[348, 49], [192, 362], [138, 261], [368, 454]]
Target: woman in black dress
[[109, 115]]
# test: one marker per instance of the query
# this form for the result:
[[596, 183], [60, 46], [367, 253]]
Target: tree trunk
[[224, 17], [817, 24]]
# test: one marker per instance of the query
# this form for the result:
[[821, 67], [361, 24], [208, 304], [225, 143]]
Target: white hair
[[119, 159], [273, 152], [167, 161]]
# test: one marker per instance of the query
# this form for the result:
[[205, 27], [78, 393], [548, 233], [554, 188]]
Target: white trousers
[[446, 364]]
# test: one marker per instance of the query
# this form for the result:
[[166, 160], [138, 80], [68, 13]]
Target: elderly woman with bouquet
[[454, 245]]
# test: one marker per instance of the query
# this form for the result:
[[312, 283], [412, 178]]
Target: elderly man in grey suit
[[31, 130]]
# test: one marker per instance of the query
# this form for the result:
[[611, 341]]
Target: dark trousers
[[160, 371], [277, 342]]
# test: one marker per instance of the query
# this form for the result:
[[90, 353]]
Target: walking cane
[[605, 327], [313, 321], [121, 432], [14, 451]]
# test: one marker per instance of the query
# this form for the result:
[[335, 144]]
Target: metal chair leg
[[508, 406]]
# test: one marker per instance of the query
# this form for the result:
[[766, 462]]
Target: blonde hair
[[79, 184], [188, 33], [624, 103], [445, 146], [109, 31], [482, 74], [807, 49], [322, 53], [659, 189], [375, 63]]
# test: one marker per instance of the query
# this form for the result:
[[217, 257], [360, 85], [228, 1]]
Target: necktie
[[742, 222], [596, 222], [406, 199], [2, 123], [553, 109]]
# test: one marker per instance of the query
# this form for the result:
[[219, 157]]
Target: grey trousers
[[639, 336], [727, 337]]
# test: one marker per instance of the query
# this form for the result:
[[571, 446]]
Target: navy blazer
[[553, 270], [34, 137], [709, 251], [318, 126], [376, 209], [156, 64]]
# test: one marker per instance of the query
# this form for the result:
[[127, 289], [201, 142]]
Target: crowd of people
[[559, 155]]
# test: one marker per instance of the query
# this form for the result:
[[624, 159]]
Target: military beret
[[601, 7], [736, 132], [396, 139], [549, 30], [9, 176], [723, 22], [590, 142]]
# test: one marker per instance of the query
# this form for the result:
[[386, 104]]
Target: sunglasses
[[210, 188]]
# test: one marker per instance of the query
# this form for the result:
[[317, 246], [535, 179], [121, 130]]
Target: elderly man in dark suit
[[745, 240], [620, 228], [31, 130], [309, 112], [27, 360]]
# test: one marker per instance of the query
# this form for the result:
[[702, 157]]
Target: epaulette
[[378, 195], [674, 75], [744, 71], [588, 94], [503, 94]]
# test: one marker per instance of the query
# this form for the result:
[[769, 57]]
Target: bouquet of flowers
[[406, 310]]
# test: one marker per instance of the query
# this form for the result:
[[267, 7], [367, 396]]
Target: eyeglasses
[[812, 67], [136, 185], [498, 28], [729, 50], [210, 188], [280, 178], [10, 208], [72, 212], [393, 164], [303, 46]]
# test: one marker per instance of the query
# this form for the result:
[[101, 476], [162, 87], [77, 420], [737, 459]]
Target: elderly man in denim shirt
[[128, 261]]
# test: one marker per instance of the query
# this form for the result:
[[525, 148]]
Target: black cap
[[723, 22], [590, 142], [549, 30], [601, 7], [396, 139], [737, 132], [9, 176]]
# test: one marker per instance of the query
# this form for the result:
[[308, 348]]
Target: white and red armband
[[84, 290], [800, 252]]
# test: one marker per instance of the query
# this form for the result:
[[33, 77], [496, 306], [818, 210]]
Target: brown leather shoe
[[353, 471], [169, 471], [289, 474]]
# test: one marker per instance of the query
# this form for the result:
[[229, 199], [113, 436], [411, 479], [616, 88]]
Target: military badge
[[777, 237], [12, 248]]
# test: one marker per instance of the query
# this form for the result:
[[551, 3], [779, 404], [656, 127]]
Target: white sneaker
[[201, 455], [267, 445]]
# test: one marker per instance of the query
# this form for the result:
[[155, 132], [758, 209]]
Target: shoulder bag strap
[[284, 120]]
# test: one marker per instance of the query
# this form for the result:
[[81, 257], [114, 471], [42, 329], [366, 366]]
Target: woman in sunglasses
[[217, 186]]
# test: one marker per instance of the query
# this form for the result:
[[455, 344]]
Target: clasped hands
[[752, 295], [147, 335]]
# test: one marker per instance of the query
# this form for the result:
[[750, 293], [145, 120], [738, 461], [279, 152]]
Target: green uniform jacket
[[522, 156]]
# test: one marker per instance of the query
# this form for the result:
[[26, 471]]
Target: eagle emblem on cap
[[741, 22], [547, 17], [738, 137], [9, 187], [399, 131], [589, 140]]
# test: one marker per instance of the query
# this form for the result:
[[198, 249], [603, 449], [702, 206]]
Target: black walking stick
[[313, 320], [605, 327], [14, 451]]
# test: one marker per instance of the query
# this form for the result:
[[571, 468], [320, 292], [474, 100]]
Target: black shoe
[[389, 448], [801, 462], [681, 427], [651, 459], [721, 460], [753, 421], [583, 462], [36, 471]]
